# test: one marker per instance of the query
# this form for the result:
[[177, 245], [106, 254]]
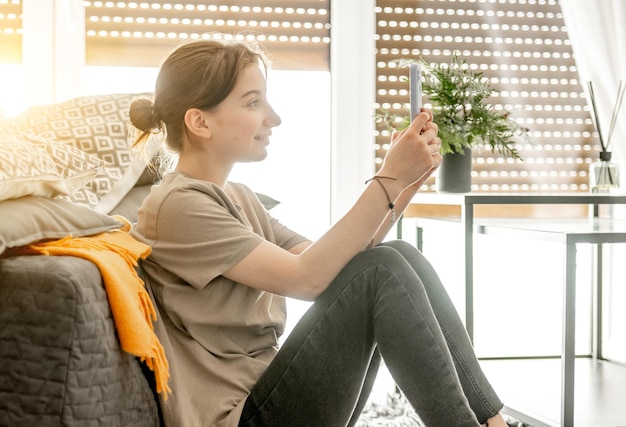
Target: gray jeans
[[388, 301]]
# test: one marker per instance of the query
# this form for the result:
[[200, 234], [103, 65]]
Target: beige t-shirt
[[218, 335]]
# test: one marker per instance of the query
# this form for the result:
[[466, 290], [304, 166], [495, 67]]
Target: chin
[[262, 155], [257, 157]]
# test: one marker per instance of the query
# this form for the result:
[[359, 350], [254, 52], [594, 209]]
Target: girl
[[221, 267]]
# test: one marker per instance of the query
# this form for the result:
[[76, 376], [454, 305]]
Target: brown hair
[[199, 74]]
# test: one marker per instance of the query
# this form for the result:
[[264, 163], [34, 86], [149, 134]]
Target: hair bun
[[142, 116]]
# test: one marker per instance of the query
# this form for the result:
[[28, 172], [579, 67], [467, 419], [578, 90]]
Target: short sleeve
[[272, 229], [285, 237], [200, 235]]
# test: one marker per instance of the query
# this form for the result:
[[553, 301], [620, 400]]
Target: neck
[[202, 169]]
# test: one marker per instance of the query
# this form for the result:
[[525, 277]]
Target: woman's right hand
[[413, 152]]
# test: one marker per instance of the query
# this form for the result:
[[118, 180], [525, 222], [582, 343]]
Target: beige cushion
[[30, 219]]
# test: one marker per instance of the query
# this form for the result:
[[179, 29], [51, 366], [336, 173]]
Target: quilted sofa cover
[[60, 360]]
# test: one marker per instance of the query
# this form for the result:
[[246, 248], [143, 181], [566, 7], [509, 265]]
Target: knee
[[383, 255], [393, 259], [371, 268], [410, 253], [405, 248], [380, 263], [380, 251]]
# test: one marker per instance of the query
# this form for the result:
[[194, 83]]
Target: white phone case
[[415, 89]]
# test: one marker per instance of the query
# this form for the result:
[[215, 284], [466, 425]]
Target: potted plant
[[466, 120]]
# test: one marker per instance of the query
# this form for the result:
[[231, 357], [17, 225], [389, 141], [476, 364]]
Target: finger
[[419, 122], [429, 121], [437, 162], [395, 135], [430, 113], [430, 134], [435, 149], [435, 141], [431, 125]]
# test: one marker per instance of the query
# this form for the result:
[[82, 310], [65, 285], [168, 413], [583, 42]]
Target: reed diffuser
[[603, 173]]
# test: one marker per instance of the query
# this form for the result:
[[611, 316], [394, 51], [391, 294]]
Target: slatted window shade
[[10, 32], [296, 33], [522, 47]]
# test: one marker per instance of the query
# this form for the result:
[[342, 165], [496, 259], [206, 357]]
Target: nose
[[272, 119]]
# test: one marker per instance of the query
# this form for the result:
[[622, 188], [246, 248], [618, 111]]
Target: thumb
[[395, 135], [420, 121]]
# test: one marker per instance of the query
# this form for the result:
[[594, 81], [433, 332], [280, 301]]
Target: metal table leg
[[569, 336]]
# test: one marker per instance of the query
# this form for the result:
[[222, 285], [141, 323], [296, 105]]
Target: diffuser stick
[[595, 114], [616, 108]]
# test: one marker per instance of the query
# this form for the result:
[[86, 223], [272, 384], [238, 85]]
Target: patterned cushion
[[98, 125], [31, 165]]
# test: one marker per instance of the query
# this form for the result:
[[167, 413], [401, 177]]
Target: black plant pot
[[455, 173]]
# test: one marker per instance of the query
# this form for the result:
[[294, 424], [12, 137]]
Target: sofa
[[67, 169]]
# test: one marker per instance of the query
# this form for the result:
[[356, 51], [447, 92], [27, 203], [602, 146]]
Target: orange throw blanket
[[116, 254]]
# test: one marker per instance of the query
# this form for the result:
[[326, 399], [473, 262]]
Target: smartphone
[[415, 89]]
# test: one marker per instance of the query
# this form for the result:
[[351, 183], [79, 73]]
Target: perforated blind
[[522, 47], [10, 32], [296, 33]]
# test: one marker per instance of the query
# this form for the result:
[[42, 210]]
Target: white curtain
[[597, 30]]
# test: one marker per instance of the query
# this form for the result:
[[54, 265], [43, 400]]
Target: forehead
[[251, 78]]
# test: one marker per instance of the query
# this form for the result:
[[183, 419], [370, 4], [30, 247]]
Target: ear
[[196, 123]]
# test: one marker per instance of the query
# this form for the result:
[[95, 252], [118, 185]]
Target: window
[[10, 32], [140, 33], [522, 47], [11, 74]]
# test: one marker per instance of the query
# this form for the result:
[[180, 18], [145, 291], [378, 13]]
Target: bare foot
[[497, 421]]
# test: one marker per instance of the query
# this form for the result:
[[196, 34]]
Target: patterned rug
[[395, 413], [398, 413]]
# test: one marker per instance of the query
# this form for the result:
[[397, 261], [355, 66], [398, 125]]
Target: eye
[[254, 103]]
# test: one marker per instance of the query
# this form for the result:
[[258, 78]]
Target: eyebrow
[[251, 92]]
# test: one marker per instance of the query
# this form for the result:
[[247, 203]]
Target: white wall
[[353, 76]]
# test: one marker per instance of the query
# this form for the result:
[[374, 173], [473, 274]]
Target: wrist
[[414, 188], [392, 193]]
